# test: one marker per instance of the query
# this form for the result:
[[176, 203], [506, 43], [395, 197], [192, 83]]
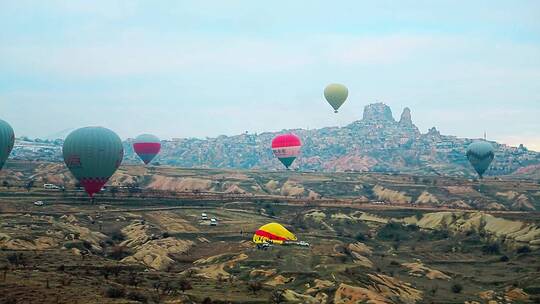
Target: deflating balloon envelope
[[147, 146], [480, 154], [273, 233], [7, 139], [93, 154]]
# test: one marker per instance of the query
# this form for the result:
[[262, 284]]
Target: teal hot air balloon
[[93, 154], [7, 139], [336, 94], [480, 154]]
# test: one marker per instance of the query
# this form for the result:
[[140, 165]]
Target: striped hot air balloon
[[93, 154], [273, 233], [286, 148], [147, 146], [7, 139]]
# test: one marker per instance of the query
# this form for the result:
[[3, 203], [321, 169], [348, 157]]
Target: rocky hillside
[[377, 142], [396, 189]]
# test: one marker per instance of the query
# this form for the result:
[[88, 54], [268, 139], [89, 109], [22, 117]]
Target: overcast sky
[[205, 68]]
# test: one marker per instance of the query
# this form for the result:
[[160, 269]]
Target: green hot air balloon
[[93, 154], [336, 94], [7, 139], [480, 154]]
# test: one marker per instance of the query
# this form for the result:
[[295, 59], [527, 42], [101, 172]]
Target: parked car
[[213, 222], [39, 203], [204, 217], [51, 186]]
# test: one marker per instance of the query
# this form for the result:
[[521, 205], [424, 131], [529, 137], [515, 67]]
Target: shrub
[[492, 248], [360, 237], [412, 227], [207, 300], [16, 259], [118, 236], [137, 296], [114, 292], [524, 249], [184, 285], [165, 235], [81, 245], [393, 231], [118, 252], [504, 258], [277, 297], [254, 286], [456, 288]]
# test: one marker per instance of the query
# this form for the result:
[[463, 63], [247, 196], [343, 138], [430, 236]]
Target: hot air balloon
[[480, 155], [273, 233], [286, 148], [336, 94], [93, 154], [7, 139], [147, 146]]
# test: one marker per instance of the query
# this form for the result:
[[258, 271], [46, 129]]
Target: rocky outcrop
[[347, 294], [360, 248], [427, 198], [392, 287], [160, 182], [156, 253], [522, 203], [262, 273], [215, 267], [406, 123], [290, 296], [235, 189], [40, 243], [420, 270], [391, 196], [478, 221], [278, 280], [292, 189], [319, 285], [514, 294], [377, 112]]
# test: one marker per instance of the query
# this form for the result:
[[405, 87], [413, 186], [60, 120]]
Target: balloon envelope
[[273, 233], [336, 94], [93, 154], [147, 146], [480, 154], [7, 139], [286, 148]]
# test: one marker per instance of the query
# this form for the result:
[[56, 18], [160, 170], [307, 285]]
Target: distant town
[[376, 143]]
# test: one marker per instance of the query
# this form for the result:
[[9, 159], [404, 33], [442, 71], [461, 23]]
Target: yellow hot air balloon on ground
[[273, 233]]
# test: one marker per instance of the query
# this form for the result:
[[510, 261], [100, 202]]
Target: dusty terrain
[[374, 239]]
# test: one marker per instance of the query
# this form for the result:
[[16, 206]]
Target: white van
[[213, 222], [204, 216]]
